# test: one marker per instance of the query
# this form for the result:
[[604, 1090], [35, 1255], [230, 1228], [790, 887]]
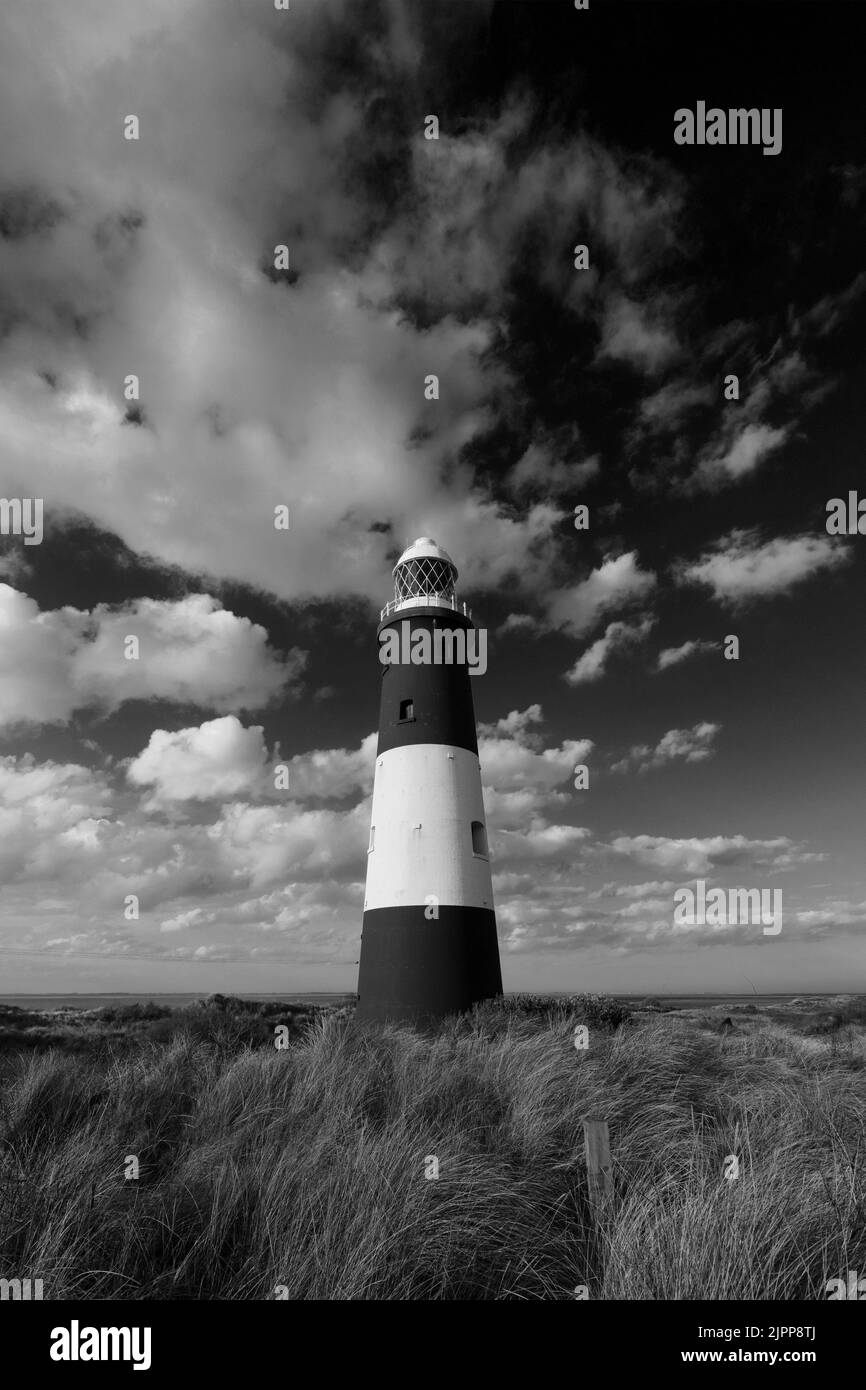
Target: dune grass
[[301, 1173]]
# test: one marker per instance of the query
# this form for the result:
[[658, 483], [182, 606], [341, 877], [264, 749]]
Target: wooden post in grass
[[598, 1170]]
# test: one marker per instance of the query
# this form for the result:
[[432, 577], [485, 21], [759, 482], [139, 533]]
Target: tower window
[[407, 710], [479, 838], [372, 839]]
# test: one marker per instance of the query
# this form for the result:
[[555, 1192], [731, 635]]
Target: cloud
[[617, 583], [218, 760], [64, 826], [304, 389], [836, 915], [697, 856], [483, 197], [545, 916], [221, 760], [672, 656], [51, 815], [517, 809], [309, 922], [692, 745], [334, 772], [630, 335], [540, 842], [15, 567], [262, 845], [742, 456], [539, 467], [664, 408], [191, 650], [280, 881], [618, 637], [509, 765], [162, 242], [740, 567], [519, 725], [520, 777], [652, 889], [183, 921], [832, 309], [526, 623], [782, 377]]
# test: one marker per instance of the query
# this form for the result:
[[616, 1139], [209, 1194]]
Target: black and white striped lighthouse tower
[[429, 945]]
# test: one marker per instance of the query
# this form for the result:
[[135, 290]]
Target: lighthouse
[[429, 945]]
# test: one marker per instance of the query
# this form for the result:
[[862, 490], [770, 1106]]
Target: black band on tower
[[426, 704], [414, 969]]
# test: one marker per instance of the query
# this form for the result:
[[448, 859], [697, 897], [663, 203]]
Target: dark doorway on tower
[[479, 839], [407, 710]]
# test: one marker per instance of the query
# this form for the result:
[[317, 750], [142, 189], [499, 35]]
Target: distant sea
[[172, 1001], [177, 1001]]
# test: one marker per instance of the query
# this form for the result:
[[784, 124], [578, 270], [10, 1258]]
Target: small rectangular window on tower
[[479, 839], [407, 710], [372, 839]]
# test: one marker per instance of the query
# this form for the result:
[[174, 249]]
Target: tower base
[[414, 970]]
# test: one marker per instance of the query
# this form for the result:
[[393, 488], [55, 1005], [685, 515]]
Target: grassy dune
[[304, 1169]]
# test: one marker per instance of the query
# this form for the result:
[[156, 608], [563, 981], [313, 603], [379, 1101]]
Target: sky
[[264, 387]]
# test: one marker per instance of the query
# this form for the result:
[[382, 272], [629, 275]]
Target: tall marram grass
[[305, 1168]]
